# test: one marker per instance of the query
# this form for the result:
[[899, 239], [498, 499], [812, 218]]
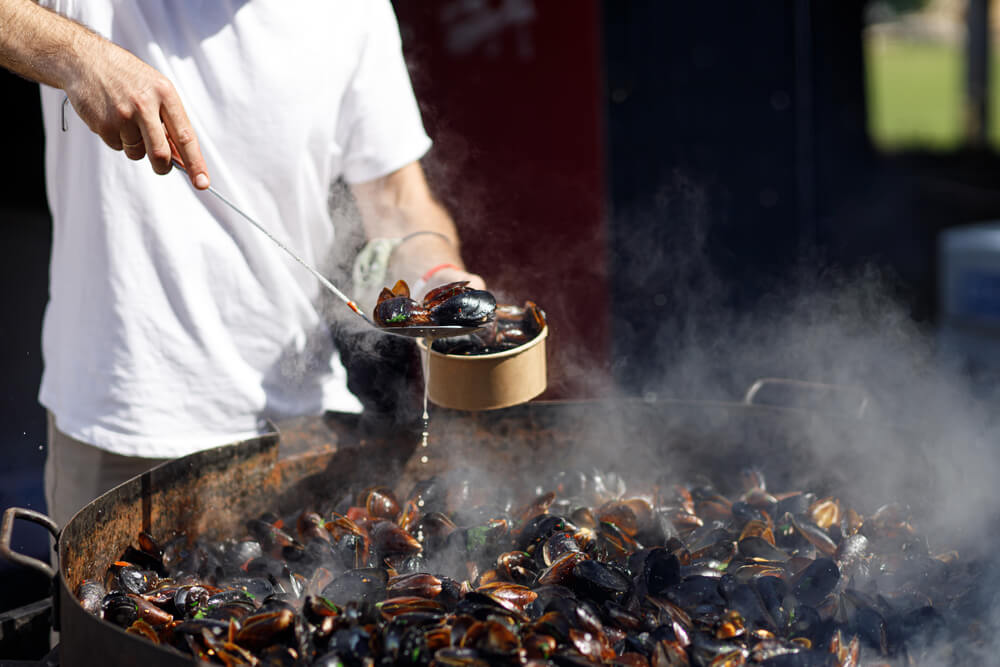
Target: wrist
[[69, 65], [65, 50]]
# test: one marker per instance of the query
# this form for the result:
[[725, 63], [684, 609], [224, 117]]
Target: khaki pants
[[76, 473]]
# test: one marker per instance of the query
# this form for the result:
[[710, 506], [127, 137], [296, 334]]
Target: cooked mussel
[[512, 326], [466, 309], [561, 578], [89, 593], [454, 304], [400, 312]]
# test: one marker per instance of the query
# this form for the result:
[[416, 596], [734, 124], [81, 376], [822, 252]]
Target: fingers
[[154, 124], [133, 108], [186, 142], [132, 143], [475, 281], [155, 140], [445, 276]]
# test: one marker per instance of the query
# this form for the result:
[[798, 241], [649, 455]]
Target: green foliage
[[901, 6], [914, 93]]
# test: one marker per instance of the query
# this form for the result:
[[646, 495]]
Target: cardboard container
[[487, 381]]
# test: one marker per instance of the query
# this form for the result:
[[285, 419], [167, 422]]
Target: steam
[[930, 440], [383, 371], [846, 328], [928, 437]]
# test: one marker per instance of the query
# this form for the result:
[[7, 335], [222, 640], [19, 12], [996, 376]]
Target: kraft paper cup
[[488, 381]]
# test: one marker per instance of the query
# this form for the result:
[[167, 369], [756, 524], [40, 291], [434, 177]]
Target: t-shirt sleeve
[[379, 126], [64, 7]]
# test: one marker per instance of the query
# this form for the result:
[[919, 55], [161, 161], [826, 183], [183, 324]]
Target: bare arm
[[401, 203], [130, 105]]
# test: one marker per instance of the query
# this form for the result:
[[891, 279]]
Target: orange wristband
[[427, 276]]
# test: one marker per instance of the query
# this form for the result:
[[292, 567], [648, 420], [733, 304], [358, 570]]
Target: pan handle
[[7, 530], [819, 396]]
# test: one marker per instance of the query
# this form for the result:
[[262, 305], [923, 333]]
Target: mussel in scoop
[[395, 308], [465, 309], [454, 304]]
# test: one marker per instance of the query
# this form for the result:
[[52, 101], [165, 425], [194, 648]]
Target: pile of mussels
[[584, 574]]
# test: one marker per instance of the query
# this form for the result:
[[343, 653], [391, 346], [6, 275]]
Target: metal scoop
[[428, 332]]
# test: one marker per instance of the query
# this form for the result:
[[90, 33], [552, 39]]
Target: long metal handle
[[814, 395], [7, 530], [319, 276]]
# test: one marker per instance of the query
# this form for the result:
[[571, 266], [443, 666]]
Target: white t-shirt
[[172, 324]]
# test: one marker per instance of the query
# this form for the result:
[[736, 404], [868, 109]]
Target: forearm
[[400, 204], [39, 44]]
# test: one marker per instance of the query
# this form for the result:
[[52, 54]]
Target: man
[[172, 324]]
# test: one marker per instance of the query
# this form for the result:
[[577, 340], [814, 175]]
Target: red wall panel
[[512, 94]]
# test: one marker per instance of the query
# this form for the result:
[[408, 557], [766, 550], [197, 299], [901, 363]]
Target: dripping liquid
[[425, 354]]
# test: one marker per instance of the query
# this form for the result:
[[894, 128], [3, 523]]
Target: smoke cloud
[[878, 414]]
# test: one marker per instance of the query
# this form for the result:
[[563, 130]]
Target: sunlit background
[[915, 62]]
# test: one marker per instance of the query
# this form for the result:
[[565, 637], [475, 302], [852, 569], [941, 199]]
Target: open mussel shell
[[400, 311]]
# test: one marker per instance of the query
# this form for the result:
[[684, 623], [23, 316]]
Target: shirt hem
[[146, 447], [167, 448]]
